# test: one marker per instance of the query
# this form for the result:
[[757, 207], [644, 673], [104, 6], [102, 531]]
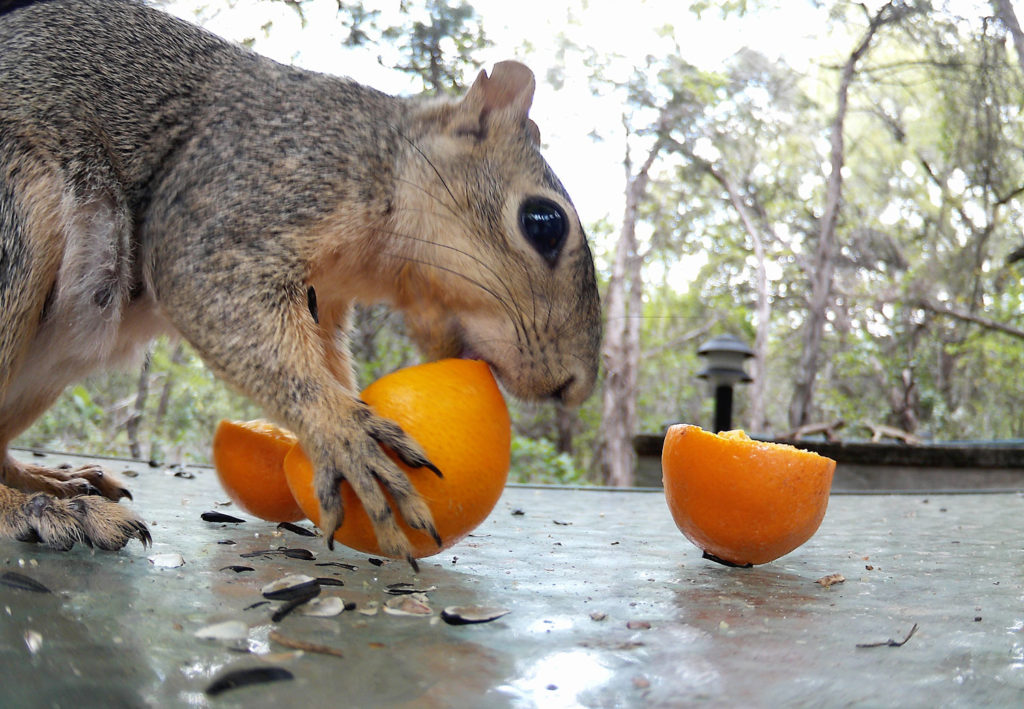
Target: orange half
[[742, 501]]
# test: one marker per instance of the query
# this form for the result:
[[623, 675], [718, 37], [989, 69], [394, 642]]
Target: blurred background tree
[[729, 176]]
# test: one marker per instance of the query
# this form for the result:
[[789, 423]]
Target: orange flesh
[[248, 457]]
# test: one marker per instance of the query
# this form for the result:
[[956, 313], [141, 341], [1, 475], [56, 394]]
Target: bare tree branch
[[987, 323], [823, 264]]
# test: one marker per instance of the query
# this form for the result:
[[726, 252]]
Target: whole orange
[[743, 501], [248, 457], [455, 411]]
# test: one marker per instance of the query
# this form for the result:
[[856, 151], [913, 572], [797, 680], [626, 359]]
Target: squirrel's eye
[[545, 226]]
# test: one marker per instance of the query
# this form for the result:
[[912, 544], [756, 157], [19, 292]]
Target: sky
[[592, 170]]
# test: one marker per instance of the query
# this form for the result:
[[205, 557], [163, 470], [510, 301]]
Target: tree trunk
[[135, 419], [618, 411], [757, 419], [823, 263], [177, 357], [1004, 11], [565, 424], [621, 349]]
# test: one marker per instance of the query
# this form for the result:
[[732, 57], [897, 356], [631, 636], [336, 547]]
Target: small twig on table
[[303, 645], [890, 642]]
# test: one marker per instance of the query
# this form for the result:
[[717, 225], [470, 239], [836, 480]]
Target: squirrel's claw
[[89, 520], [370, 471], [390, 434]]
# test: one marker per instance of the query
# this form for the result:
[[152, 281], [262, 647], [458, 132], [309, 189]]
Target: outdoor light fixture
[[725, 357]]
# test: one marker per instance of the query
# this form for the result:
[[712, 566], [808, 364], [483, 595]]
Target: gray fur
[[155, 178]]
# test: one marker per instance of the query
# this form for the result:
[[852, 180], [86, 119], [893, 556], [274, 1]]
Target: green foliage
[[435, 43], [91, 417], [537, 461], [932, 202], [932, 206], [724, 8]]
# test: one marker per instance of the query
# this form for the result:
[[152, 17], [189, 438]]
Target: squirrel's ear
[[508, 91]]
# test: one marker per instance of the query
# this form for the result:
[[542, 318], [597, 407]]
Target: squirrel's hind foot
[[61, 523]]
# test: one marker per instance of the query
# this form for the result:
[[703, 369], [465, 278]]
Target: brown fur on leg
[[84, 480]]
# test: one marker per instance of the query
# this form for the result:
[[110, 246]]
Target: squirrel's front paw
[[359, 459]]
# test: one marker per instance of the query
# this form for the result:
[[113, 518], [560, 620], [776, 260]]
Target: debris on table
[[304, 646], [234, 679], [215, 516], [170, 560], [410, 604], [13, 579], [830, 580], [289, 587], [467, 615], [324, 607], [33, 640], [296, 529], [890, 642], [229, 630]]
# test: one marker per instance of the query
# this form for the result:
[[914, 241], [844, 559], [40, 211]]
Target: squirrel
[[155, 178]]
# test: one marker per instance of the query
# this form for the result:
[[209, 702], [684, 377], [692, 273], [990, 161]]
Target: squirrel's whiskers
[[246, 206]]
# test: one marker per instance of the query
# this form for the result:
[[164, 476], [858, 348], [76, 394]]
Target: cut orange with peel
[[742, 501], [455, 411], [248, 457]]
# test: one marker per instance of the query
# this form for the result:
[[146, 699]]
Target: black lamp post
[[724, 369]]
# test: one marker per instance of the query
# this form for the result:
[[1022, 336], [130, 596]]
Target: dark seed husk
[[466, 615], [237, 568], [22, 582], [234, 679], [259, 552], [328, 581], [350, 567], [290, 587], [297, 553], [307, 595], [257, 604], [302, 531], [375, 561], [185, 474], [227, 541], [220, 517], [405, 589]]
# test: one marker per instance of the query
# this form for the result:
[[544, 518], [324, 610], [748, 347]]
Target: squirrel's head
[[494, 261]]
